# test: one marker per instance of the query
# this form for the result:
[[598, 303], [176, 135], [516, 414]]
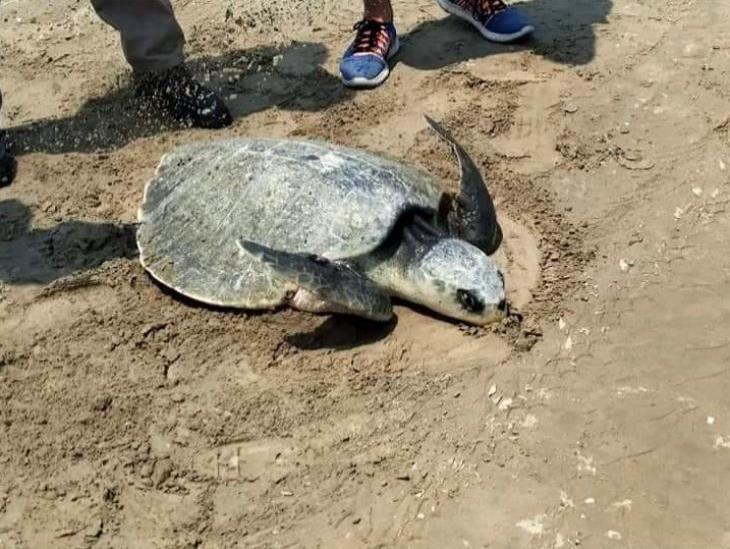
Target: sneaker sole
[[382, 76], [489, 35]]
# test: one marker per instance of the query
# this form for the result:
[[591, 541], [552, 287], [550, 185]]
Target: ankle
[[384, 20], [379, 15]]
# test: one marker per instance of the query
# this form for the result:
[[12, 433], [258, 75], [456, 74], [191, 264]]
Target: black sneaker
[[8, 165], [185, 99]]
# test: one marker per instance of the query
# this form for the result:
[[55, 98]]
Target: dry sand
[[129, 418]]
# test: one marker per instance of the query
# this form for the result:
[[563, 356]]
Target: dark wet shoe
[[177, 93], [8, 165]]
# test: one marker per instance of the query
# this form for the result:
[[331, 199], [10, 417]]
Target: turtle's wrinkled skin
[[260, 223]]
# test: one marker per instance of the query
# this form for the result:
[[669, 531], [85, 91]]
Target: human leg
[[153, 41]]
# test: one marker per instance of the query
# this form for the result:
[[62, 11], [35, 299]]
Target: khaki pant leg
[[152, 40]]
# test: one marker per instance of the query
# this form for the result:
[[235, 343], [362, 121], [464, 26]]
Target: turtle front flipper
[[324, 285], [470, 215]]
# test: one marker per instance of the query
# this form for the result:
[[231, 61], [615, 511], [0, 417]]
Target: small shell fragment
[[568, 345]]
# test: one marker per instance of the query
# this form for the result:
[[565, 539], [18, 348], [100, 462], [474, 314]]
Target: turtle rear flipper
[[329, 286]]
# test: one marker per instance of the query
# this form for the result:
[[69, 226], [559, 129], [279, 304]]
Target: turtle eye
[[470, 301], [319, 260]]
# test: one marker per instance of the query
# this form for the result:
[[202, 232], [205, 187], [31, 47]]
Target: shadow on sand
[[292, 76], [564, 34], [41, 256], [289, 77]]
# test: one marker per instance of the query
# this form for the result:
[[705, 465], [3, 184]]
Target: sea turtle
[[262, 223]]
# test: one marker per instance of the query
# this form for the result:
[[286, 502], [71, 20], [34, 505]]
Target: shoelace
[[483, 10], [372, 37]]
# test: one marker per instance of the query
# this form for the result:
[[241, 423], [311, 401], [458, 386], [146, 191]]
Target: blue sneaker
[[492, 18], [365, 63]]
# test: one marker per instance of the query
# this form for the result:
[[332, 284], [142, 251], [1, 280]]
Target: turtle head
[[458, 280]]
